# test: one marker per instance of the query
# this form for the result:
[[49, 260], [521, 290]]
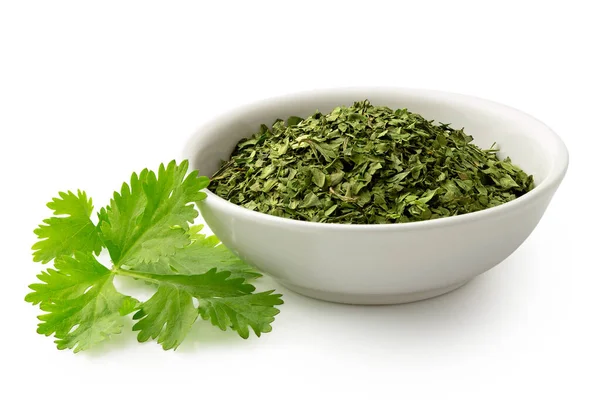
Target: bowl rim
[[555, 175]]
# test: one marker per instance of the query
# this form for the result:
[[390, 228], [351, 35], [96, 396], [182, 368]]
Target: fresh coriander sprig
[[148, 232]]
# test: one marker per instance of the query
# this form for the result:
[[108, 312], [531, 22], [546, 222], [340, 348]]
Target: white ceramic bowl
[[391, 263]]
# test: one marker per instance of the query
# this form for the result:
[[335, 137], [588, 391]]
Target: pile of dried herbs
[[366, 164]]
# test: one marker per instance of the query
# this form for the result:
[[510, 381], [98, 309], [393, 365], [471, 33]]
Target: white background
[[92, 91]]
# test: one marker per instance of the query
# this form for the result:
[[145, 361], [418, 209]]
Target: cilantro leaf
[[70, 278], [81, 303], [201, 255], [149, 218], [255, 310], [74, 231], [169, 314], [148, 233]]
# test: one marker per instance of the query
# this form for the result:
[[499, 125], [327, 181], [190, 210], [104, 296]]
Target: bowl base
[[372, 299]]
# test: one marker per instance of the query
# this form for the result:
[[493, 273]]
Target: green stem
[[133, 274]]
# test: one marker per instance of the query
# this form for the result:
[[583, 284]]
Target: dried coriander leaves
[[366, 164]]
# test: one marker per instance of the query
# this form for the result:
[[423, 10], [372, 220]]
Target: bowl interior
[[528, 142]]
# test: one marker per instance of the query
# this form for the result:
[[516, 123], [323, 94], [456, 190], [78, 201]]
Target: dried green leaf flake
[[375, 164]]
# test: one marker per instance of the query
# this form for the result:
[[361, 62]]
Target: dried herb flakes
[[366, 164]]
